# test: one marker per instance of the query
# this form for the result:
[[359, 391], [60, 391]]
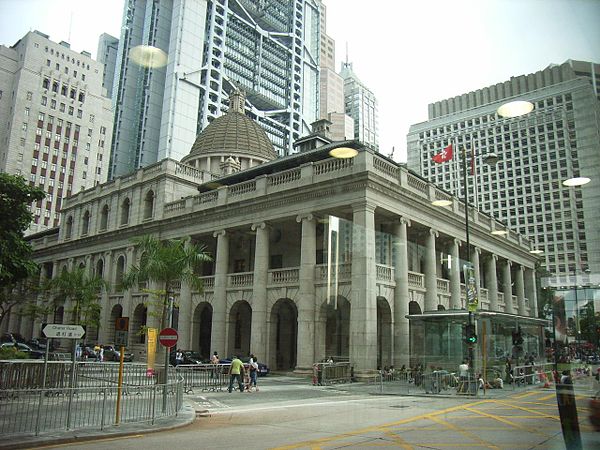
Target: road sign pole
[[120, 385], [167, 353]]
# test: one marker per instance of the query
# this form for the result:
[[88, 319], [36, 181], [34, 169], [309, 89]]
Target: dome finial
[[237, 101]]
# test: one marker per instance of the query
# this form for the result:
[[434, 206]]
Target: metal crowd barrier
[[329, 373], [26, 411], [531, 374], [206, 377]]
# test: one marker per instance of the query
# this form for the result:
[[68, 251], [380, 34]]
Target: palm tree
[[82, 290], [167, 263]]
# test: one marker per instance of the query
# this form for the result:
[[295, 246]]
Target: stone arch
[[115, 313], [239, 324], [125, 207], [283, 331], [337, 328], [85, 223], [138, 322], [384, 333], [414, 308], [148, 204], [201, 329], [59, 314], [441, 308]]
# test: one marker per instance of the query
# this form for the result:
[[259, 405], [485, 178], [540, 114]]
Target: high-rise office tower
[[59, 124], [361, 105], [108, 47], [559, 140], [331, 90], [269, 49]]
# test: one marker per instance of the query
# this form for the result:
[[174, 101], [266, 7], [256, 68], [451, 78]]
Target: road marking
[[528, 394], [315, 443], [529, 410], [503, 420], [464, 432], [83, 441]]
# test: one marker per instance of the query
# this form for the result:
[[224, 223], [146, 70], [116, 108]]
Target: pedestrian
[[178, 357], [236, 371], [463, 370], [101, 354], [214, 359], [253, 373]]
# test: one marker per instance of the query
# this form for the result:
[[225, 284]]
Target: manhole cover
[[399, 406]]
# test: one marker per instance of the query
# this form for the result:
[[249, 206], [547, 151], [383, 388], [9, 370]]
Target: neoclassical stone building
[[313, 256]]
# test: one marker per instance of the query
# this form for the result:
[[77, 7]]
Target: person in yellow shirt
[[236, 371]]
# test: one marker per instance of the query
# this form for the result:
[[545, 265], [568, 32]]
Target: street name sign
[[63, 331], [168, 337]]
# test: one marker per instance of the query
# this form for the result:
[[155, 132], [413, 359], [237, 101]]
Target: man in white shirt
[[463, 370]]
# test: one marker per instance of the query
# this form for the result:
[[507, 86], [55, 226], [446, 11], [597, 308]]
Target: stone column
[[455, 293], [431, 297], [520, 287], [184, 326], [507, 288], [258, 338], [531, 291], [476, 265], [307, 337], [219, 318], [103, 334], [401, 295], [363, 310], [491, 282]]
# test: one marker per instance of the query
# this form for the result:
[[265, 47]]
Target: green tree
[[167, 263], [82, 290], [16, 264]]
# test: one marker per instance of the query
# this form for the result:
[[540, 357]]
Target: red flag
[[444, 155]]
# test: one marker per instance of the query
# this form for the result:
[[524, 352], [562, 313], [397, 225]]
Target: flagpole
[[468, 243], [474, 174]]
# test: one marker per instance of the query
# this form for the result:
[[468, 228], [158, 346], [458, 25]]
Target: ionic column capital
[[300, 217]]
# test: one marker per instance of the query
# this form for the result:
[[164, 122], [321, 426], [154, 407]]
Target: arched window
[[104, 218], [125, 211], [120, 271], [149, 205], [85, 225], [69, 230], [100, 268]]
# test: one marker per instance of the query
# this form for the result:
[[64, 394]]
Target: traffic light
[[470, 335]]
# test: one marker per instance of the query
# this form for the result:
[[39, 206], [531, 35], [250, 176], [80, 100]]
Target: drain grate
[[399, 406]]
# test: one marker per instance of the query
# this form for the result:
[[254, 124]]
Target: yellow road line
[[503, 420], [398, 440], [528, 394], [313, 444], [529, 410], [547, 397], [464, 432]]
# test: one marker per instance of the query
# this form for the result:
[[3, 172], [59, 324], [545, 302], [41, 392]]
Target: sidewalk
[[186, 416]]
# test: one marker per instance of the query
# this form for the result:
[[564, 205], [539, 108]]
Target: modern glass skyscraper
[[361, 105], [270, 49], [537, 152]]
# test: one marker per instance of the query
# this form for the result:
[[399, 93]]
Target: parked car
[[33, 354], [113, 354], [189, 357], [263, 369]]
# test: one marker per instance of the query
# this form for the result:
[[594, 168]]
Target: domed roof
[[234, 132]]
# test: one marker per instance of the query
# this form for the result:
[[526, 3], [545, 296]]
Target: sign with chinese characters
[[472, 299], [63, 331]]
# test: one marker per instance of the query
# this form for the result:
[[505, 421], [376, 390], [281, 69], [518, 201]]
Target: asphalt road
[[286, 414]]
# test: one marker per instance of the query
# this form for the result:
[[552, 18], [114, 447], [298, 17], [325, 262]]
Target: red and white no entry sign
[[168, 337]]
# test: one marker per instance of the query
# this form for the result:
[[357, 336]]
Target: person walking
[[236, 371], [253, 373]]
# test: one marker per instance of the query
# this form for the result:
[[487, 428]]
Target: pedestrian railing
[[206, 377], [530, 374], [330, 373], [27, 411]]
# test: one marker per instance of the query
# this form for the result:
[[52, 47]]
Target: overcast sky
[[410, 53]]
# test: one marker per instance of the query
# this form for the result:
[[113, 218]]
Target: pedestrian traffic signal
[[470, 335]]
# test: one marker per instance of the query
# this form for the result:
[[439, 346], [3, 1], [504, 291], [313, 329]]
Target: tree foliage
[[16, 265], [167, 263], [81, 289], [15, 253]]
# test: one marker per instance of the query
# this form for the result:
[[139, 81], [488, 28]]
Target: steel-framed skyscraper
[[268, 48]]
